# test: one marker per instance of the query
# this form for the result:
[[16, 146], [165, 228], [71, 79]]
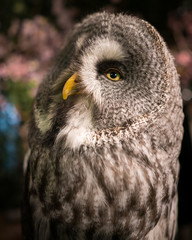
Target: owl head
[[114, 71]]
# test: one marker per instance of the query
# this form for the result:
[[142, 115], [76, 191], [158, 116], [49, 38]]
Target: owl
[[104, 137]]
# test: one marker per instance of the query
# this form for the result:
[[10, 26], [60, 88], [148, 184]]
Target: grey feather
[[104, 164]]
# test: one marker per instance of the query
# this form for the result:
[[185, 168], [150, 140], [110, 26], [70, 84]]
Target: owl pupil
[[113, 74]]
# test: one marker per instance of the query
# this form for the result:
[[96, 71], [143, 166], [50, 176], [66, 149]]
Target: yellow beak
[[70, 87]]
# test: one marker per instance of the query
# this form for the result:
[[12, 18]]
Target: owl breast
[[110, 191], [116, 187]]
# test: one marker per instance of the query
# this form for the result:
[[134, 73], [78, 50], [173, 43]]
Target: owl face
[[120, 68], [115, 71]]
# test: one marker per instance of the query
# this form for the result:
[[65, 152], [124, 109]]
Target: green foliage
[[19, 93], [19, 7]]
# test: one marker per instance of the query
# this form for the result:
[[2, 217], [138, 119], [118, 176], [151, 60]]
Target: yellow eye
[[113, 74]]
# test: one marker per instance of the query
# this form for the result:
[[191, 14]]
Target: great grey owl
[[105, 136]]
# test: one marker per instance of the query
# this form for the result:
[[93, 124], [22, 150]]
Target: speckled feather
[[104, 164]]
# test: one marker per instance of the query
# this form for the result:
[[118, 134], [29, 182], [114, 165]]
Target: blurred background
[[31, 34]]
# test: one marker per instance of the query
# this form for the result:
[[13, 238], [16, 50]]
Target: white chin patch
[[79, 125], [101, 50]]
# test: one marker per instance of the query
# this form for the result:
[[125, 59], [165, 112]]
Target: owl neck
[[78, 128]]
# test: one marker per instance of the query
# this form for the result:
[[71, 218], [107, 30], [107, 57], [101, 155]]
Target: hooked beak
[[70, 87]]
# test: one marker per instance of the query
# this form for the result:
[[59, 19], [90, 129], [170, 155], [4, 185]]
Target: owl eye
[[113, 74]]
